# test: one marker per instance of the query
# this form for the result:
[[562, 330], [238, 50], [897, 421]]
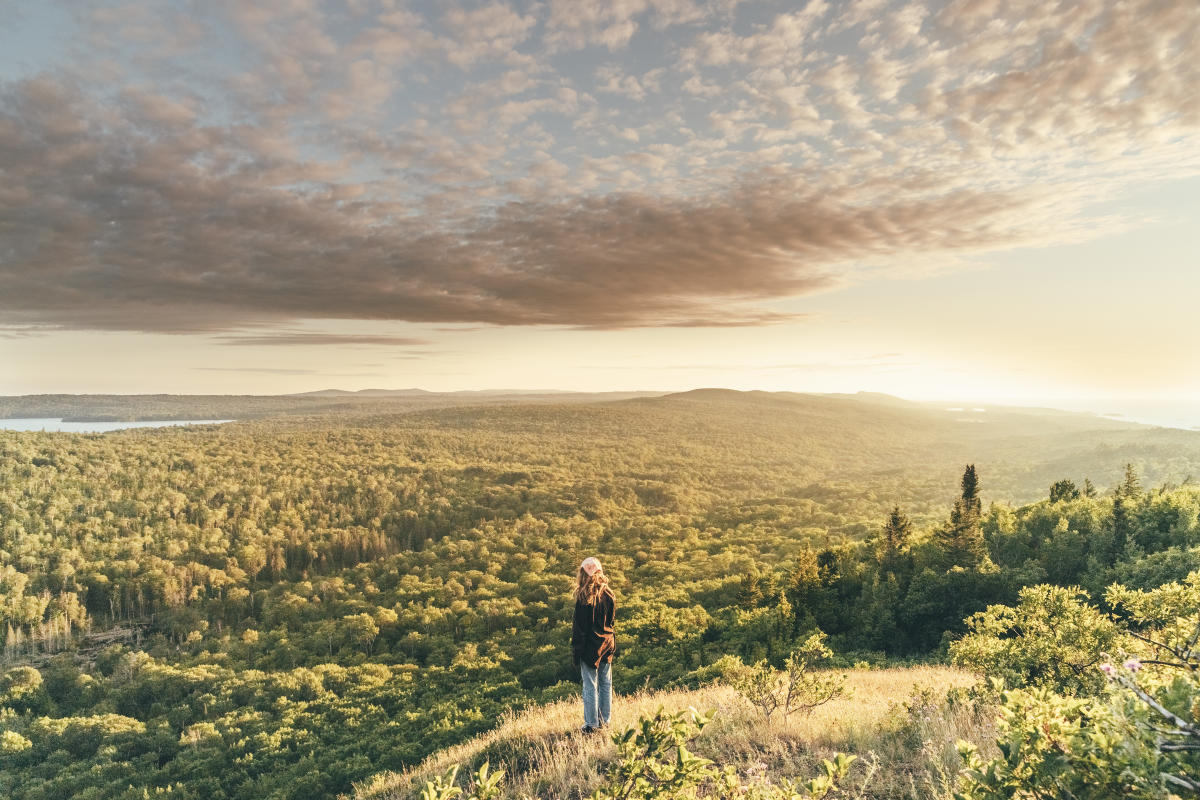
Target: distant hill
[[830, 445], [137, 407], [973, 412], [525, 395], [873, 397], [828, 442]]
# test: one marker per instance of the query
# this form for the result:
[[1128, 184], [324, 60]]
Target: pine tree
[[785, 620], [805, 591], [1132, 486], [1089, 488], [970, 491], [750, 593], [896, 532], [961, 539], [1063, 490]]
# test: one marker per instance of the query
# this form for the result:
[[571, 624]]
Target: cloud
[[291, 339], [26, 331], [576, 24], [285, 371], [119, 230], [876, 363], [493, 30], [470, 167], [262, 370], [783, 41]]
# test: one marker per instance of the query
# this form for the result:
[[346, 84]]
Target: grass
[[896, 720]]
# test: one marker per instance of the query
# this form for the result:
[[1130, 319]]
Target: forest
[[281, 607]]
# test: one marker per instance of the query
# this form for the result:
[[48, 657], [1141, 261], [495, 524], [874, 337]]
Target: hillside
[[280, 607], [894, 720], [812, 446]]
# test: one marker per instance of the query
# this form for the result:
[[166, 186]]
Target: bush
[[486, 785], [12, 743], [1139, 739], [1052, 639], [1055, 746], [797, 688]]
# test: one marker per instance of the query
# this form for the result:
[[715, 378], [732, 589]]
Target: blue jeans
[[597, 693]]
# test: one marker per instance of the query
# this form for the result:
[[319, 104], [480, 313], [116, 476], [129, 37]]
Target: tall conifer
[[896, 532], [970, 490], [1132, 485], [961, 539]]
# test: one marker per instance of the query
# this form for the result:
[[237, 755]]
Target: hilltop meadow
[[290, 606]]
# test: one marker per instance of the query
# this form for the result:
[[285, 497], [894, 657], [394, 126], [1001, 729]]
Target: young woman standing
[[593, 642]]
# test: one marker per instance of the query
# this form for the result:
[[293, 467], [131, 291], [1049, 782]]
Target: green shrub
[[1063, 747], [1140, 738], [1052, 638], [797, 688]]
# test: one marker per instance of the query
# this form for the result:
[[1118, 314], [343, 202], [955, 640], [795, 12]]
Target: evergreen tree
[[830, 566], [831, 612], [1063, 490], [1132, 485], [970, 491], [961, 539], [1089, 488], [750, 592], [783, 625], [896, 532], [805, 591]]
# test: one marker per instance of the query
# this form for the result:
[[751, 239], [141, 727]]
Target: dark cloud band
[[292, 339], [113, 227]]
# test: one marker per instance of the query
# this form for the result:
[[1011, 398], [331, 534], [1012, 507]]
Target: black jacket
[[593, 639]]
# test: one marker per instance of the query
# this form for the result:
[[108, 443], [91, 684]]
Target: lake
[[52, 424]]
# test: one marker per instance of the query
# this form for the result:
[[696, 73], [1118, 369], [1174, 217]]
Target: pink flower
[[1133, 665], [1108, 669]]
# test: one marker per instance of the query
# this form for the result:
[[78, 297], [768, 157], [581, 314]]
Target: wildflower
[[1108, 669], [1133, 665]]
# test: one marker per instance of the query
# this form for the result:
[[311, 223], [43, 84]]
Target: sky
[[965, 200]]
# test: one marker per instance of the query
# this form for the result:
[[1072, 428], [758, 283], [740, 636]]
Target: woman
[[593, 642]]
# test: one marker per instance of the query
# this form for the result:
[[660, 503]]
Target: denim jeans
[[597, 693]]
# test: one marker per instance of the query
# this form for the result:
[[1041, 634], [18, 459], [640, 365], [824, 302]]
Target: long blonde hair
[[589, 588]]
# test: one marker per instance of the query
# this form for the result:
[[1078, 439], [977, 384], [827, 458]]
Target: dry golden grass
[[902, 753]]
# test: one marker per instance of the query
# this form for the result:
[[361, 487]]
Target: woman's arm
[[611, 619], [579, 631]]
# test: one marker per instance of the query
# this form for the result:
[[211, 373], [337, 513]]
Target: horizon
[[1160, 414], [929, 200]]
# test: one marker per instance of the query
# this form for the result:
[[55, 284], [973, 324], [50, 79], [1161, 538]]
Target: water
[[53, 424], [1165, 413], [1166, 416]]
